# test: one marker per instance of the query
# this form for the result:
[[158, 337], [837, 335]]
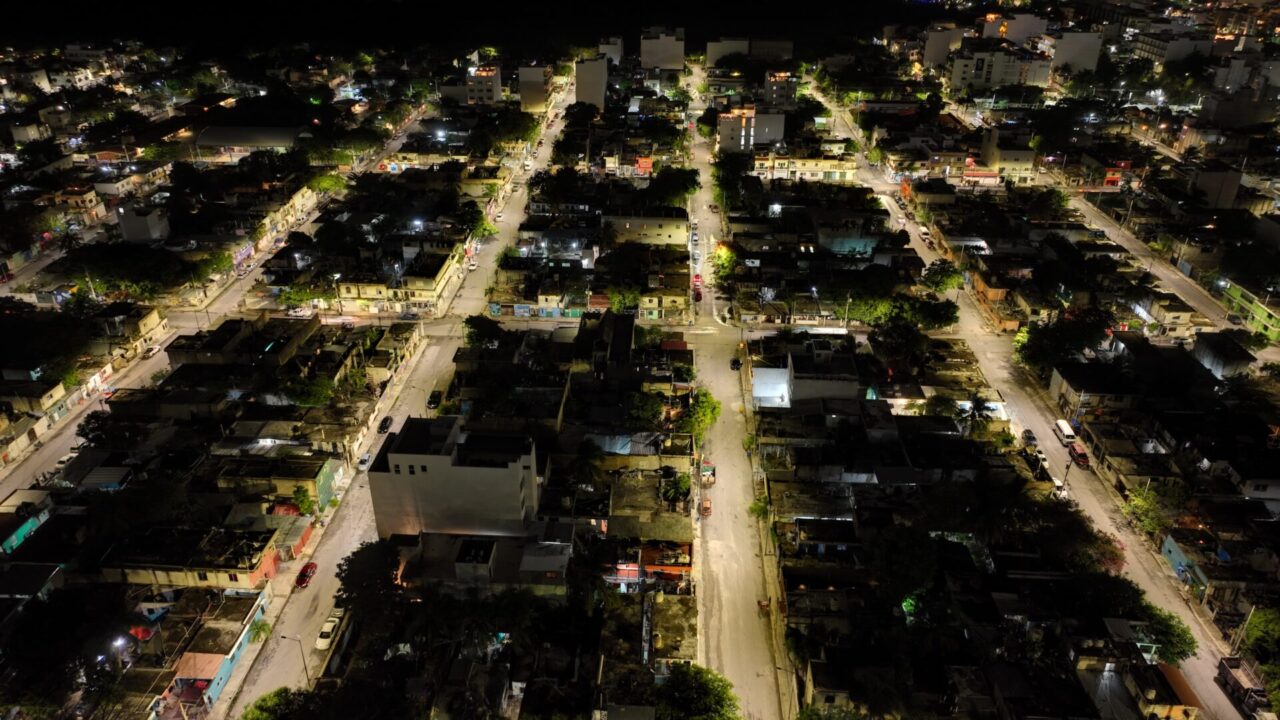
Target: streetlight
[[302, 653]]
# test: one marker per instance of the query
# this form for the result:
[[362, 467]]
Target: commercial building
[[662, 49], [535, 88], [484, 85], [1016, 28], [438, 476], [939, 42], [741, 129], [982, 69], [1078, 51], [780, 89], [1165, 46], [592, 77]]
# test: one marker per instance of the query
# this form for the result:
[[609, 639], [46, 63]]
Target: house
[[1090, 389], [279, 477], [437, 475], [236, 142], [651, 226], [128, 329], [21, 514], [192, 557], [484, 85], [1221, 354]]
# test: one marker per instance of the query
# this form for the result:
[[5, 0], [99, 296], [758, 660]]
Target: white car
[[327, 632], [151, 352], [365, 461], [498, 217], [62, 461], [300, 312]]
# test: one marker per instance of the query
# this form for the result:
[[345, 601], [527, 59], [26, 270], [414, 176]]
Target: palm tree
[[259, 630], [584, 469], [977, 416]]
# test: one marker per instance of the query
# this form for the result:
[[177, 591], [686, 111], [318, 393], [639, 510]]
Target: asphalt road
[[279, 663]]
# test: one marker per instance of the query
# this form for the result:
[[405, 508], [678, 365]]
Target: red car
[[307, 572]]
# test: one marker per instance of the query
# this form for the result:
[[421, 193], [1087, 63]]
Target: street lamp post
[[301, 653]]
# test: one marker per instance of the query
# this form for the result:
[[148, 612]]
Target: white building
[[1016, 28], [717, 49], [612, 49], [484, 85], [1163, 47], [79, 78], [592, 77], [662, 49], [139, 223], [28, 132], [985, 69], [939, 42], [741, 129], [535, 88], [1079, 50], [436, 477]]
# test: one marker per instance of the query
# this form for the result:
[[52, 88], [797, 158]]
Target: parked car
[[434, 399], [305, 575], [1028, 437], [299, 312], [705, 509], [151, 352], [1235, 319], [339, 607], [409, 316], [1078, 454], [64, 460], [325, 639], [498, 217], [385, 425], [365, 461], [735, 364], [697, 296]]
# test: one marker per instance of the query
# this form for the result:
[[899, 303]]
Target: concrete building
[[717, 49], [592, 77], [612, 49], [939, 42], [662, 48], [997, 67], [650, 226], [142, 223], [780, 89], [1219, 182], [535, 88], [1078, 50], [741, 129], [1164, 46], [1016, 28], [484, 85], [435, 476], [26, 132], [1013, 161]]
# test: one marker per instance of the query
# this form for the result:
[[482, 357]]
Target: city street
[[279, 663], [733, 634]]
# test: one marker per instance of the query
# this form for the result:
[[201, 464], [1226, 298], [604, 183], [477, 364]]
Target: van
[[1063, 430], [1078, 454]]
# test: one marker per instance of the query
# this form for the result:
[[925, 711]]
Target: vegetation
[[314, 391], [942, 276], [702, 413], [130, 270], [1041, 347], [298, 295], [693, 692], [483, 331], [302, 498], [327, 183]]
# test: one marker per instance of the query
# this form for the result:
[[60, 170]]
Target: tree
[[82, 305], [703, 412], [875, 156], [902, 560], [1146, 508], [977, 415], [900, 344], [672, 186], [693, 692], [259, 630], [623, 297], [368, 578], [473, 220], [708, 122], [302, 498], [646, 411], [1262, 634], [584, 469], [314, 391], [942, 276], [483, 331], [282, 704], [1176, 643], [941, 406], [677, 488], [327, 183]]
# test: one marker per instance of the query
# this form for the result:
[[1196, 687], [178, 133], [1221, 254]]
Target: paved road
[[733, 636], [1027, 407], [279, 663]]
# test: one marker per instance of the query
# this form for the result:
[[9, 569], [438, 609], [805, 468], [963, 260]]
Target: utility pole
[[301, 653]]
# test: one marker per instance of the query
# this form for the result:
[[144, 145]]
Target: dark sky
[[228, 24]]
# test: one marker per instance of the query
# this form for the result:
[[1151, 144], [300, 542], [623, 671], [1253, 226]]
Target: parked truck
[[1242, 685]]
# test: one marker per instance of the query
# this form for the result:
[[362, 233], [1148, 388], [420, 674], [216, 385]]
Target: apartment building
[[741, 129], [984, 69], [484, 85]]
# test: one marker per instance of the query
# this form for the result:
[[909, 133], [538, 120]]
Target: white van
[[1063, 430]]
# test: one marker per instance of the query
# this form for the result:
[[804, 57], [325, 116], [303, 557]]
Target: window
[[423, 468], [202, 575], [411, 470], [830, 699], [232, 577], [1259, 487], [397, 469]]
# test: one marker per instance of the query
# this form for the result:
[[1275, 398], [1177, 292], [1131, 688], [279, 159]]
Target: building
[[662, 49], [143, 223], [25, 132], [1090, 390], [1078, 51], [1221, 354], [193, 557], [1219, 182], [1013, 161], [780, 89], [984, 69], [484, 85], [741, 129], [717, 49], [611, 48], [592, 78], [236, 142], [779, 165], [1165, 46], [437, 476], [1259, 314], [1015, 28], [939, 42], [651, 226], [535, 88]]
